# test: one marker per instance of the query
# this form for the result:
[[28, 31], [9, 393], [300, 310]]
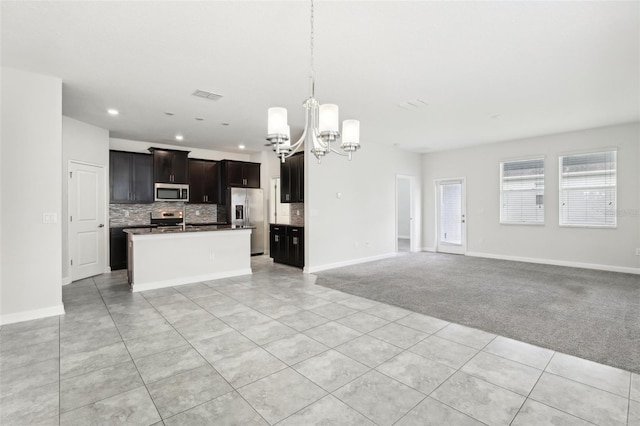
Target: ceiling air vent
[[206, 95], [413, 104]]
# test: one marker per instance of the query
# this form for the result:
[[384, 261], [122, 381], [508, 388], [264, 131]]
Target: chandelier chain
[[321, 127], [312, 70]]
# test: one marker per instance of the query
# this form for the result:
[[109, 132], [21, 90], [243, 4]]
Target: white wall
[[404, 206], [31, 172], [361, 225], [203, 154], [269, 168], [612, 249], [88, 144]]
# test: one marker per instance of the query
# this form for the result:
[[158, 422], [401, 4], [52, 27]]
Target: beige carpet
[[590, 314]]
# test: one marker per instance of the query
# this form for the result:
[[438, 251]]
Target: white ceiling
[[487, 70]]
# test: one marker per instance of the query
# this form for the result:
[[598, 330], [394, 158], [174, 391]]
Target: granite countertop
[[131, 225], [145, 225], [188, 228]]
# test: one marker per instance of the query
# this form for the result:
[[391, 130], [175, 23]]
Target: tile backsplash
[[296, 212], [139, 214]]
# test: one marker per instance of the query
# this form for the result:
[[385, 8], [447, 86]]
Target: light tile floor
[[273, 348]]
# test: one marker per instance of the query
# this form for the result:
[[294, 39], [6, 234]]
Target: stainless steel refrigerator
[[247, 209]]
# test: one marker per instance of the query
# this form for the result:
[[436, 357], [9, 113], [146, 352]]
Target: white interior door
[[87, 219], [452, 229]]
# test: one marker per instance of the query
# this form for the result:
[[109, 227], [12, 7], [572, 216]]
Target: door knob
[[101, 225]]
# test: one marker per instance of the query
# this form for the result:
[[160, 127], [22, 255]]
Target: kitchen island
[[161, 257]]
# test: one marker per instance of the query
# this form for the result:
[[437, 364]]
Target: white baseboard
[[189, 280], [430, 249], [31, 315], [350, 262], [66, 280], [610, 268]]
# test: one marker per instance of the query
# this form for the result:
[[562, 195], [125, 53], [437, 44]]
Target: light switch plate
[[49, 217]]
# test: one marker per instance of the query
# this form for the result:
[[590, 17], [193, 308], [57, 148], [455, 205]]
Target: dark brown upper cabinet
[[240, 174], [170, 166], [204, 176], [292, 179], [130, 177]]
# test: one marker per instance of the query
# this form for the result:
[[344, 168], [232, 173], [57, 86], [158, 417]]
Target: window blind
[[588, 189], [522, 191]]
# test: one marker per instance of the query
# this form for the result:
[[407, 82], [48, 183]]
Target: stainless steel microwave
[[171, 192]]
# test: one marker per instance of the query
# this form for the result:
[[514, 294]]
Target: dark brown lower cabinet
[[117, 249], [287, 244]]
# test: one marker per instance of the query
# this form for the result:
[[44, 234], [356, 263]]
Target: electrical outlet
[[211, 255], [197, 212], [126, 213], [297, 212], [638, 252]]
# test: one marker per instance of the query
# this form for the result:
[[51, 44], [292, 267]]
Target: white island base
[[167, 259]]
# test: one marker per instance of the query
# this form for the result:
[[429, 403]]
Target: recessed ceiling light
[[241, 146], [495, 116], [199, 118], [169, 113], [112, 111], [179, 137], [225, 124]]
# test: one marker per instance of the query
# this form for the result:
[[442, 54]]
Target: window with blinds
[[522, 191], [588, 189]]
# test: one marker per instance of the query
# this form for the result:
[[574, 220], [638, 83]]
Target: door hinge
[[70, 218], [71, 262], [70, 175]]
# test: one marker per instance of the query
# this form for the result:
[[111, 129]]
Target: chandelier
[[320, 125]]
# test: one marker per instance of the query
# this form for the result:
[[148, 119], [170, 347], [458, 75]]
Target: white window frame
[[529, 223], [560, 190]]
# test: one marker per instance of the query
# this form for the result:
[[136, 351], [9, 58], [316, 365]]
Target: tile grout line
[[78, 375], [265, 293], [459, 370], [532, 388], [403, 350], [288, 365], [539, 402], [370, 369], [233, 388], [132, 360], [368, 334], [629, 401], [586, 384]]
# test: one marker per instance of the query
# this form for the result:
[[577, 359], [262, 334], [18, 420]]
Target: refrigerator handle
[[247, 218]]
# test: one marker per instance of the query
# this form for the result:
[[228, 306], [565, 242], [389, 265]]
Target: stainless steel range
[[168, 219]]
